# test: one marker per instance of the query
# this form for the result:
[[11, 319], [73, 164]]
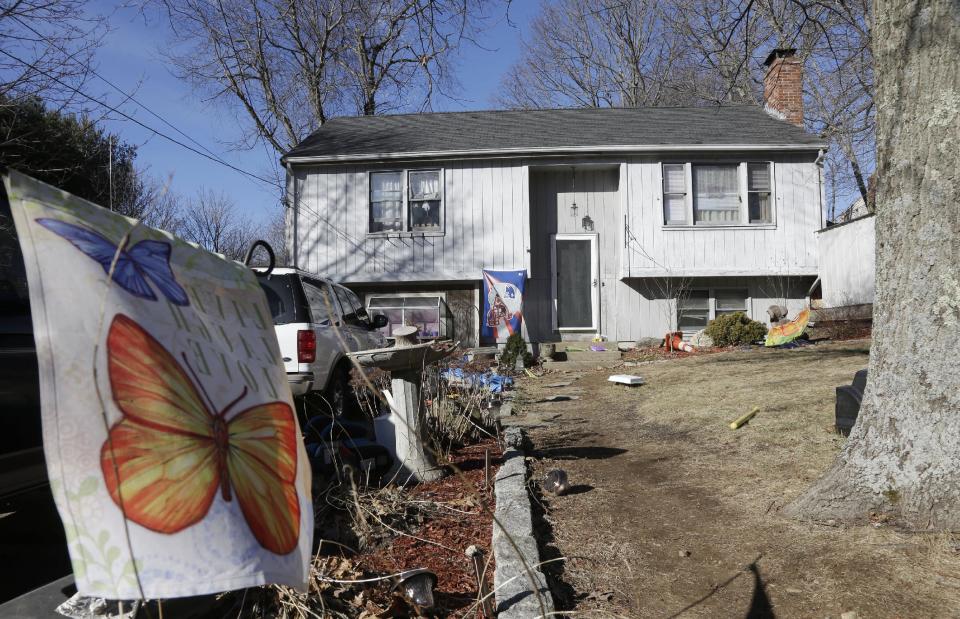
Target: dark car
[[33, 548]]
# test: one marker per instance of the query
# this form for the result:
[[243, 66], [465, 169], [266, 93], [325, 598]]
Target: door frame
[[594, 239]]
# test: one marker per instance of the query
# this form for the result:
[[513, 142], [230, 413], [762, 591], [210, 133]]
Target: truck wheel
[[339, 394]]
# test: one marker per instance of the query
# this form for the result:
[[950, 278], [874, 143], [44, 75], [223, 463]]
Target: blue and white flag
[[502, 303]]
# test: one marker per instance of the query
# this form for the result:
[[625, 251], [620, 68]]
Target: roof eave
[[563, 150]]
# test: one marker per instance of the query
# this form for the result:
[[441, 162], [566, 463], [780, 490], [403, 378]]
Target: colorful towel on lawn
[[171, 442], [502, 303], [783, 334]]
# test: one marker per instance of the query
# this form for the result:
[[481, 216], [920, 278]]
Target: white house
[[624, 219]]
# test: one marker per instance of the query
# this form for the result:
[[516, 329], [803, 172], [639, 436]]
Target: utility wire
[[215, 159], [212, 157], [127, 95]]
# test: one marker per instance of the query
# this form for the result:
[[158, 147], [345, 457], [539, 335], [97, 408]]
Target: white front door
[[576, 282]]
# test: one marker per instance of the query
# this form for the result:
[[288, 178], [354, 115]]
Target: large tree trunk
[[903, 456]]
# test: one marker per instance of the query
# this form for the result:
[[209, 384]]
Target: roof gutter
[[547, 151]]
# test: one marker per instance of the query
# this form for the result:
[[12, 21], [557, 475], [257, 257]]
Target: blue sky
[[131, 59]]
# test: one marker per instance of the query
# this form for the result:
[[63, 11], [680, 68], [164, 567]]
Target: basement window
[[693, 311], [429, 312], [699, 307]]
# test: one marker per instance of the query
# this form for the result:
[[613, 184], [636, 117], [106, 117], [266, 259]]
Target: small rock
[[513, 437], [556, 482], [625, 346], [850, 614], [649, 342], [684, 553], [700, 339]]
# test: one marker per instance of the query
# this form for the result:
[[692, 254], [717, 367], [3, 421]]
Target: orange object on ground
[[674, 341]]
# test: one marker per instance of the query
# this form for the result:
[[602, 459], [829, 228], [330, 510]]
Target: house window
[[386, 201], [730, 301], [430, 313], [716, 195], [674, 194], [693, 311], [699, 307], [406, 201], [424, 200], [758, 193]]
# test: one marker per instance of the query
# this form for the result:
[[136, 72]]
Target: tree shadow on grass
[[578, 453], [760, 605]]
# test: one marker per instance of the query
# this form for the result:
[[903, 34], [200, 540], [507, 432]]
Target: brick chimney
[[783, 86]]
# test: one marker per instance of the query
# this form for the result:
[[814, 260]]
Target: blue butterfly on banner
[[147, 261]]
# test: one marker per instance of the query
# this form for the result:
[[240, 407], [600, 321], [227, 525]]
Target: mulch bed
[[460, 523], [658, 353]]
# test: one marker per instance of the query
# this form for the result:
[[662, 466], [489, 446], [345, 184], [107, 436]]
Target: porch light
[[573, 207], [587, 223]]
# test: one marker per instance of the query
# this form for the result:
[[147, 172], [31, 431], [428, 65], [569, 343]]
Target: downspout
[[821, 155], [292, 183]]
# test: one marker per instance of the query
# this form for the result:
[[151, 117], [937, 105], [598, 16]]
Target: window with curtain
[[386, 201], [424, 200], [716, 194], [758, 193], [674, 194]]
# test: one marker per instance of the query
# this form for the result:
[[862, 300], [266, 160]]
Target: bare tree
[[673, 293], [159, 207], [46, 48], [903, 455], [730, 38], [290, 65], [597, 53], [275, 233], [211, 221]]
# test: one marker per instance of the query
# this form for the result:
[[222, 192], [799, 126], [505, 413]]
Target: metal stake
[[486, 469]]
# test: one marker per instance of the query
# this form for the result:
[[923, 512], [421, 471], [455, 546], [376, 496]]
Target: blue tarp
[[496, 383]]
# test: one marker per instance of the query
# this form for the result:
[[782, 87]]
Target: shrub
[[516, 348], [736, 328]]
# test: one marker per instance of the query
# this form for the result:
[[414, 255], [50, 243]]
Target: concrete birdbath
[[405, 361]]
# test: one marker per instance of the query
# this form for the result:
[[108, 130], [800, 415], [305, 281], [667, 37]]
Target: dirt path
[[672, 508]]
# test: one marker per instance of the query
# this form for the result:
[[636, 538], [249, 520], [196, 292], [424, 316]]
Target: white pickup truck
[[317, 322]]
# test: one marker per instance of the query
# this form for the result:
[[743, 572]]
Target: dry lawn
[[674, 514]]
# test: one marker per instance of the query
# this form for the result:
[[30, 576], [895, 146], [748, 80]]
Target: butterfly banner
[[171, 442], [502, 303]]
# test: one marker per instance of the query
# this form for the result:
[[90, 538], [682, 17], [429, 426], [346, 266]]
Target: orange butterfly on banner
[[164, 461]]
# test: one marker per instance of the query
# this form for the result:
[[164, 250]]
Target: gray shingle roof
[[577, 130]]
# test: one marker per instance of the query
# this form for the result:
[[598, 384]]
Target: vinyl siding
[[485, 213], [500, 213]]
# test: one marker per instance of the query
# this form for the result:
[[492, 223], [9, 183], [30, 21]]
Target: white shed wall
[[847, 262]]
